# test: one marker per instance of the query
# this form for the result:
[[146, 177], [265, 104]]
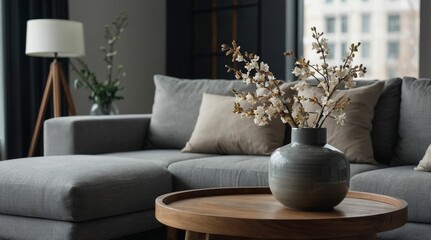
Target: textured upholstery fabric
[[402, 182], [95, 134], [353, 138], [219, 130], [176, 107], [26, 228], [415, 117], [357, 168], [384, 134], [221, 171], [79, 187], [410, 231], [232, 170], [163, 157]]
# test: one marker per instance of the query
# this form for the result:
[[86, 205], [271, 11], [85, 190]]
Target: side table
[[253, 213]]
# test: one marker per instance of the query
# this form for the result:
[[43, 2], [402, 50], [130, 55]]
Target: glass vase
[[104, 109]]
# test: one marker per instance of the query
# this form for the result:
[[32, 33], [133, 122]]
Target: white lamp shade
[[48, 36]]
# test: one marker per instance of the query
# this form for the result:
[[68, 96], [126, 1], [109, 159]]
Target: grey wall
[[141, 49]]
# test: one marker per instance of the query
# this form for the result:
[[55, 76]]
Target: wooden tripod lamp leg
[[42, 110], [56, 81], [66, 90], [56, 90]]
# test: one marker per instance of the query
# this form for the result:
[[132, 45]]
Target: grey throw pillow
[[176, 108], [414, 129]]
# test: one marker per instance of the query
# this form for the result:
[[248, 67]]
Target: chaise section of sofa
[[78, 197]]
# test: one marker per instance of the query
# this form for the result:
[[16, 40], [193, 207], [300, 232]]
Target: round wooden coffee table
[[253, 213]]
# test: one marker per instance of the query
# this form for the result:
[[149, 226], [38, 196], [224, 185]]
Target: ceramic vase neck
[[310, 136]]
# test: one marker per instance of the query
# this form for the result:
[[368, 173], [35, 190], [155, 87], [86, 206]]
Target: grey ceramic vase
[[309, 174]]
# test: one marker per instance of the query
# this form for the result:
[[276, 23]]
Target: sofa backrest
[[176, 107], [414, 129], [385, 122]]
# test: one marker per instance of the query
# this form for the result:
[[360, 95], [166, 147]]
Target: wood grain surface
[[253, 213]]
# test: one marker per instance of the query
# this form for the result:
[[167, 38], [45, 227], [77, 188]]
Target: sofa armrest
[[95, 134]]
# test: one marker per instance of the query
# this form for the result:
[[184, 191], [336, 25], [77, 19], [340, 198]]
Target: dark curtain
[[25, 76]]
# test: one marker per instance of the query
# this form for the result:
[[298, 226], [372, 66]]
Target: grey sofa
[[100, 175]]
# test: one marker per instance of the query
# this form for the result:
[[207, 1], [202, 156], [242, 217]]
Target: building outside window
[[392, 72], [344, 50], [365, 23], [394, 28], [330, 24], [344, 23], [365, 50], [394, 23], [331, 54], [393, 51]]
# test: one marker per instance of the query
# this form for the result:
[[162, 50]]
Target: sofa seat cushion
[[163, 157], [220, 171], [402, 182], [230, 171], [79, 187], [357, 168]]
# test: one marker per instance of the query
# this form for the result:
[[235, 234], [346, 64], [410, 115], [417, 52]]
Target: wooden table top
[[255, 213]]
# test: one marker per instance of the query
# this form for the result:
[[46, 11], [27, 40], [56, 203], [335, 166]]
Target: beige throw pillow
[[425, 163], [353, 138], [219, 130]]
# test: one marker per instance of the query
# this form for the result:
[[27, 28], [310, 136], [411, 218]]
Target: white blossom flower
[[255, 58], [264, 67], [324, 43], [300, 86], [340, 119], [250, 66], [270, 101], [261, 91], [239, 58], [297, 71], [250, 98], [271, 112], [260, 121]]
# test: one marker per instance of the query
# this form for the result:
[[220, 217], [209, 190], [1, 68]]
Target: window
[[393, 49], [365, 23], [344, 23], [392, 72], [328, 1], [393, 23], [369, 22], [365, 50], [331, 54], [344, 50], [330, 24]]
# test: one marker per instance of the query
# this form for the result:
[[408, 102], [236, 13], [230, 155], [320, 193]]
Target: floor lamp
[[53, 38]]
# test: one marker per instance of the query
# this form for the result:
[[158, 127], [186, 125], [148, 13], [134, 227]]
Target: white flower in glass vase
[[270, 101], [104, 92]]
